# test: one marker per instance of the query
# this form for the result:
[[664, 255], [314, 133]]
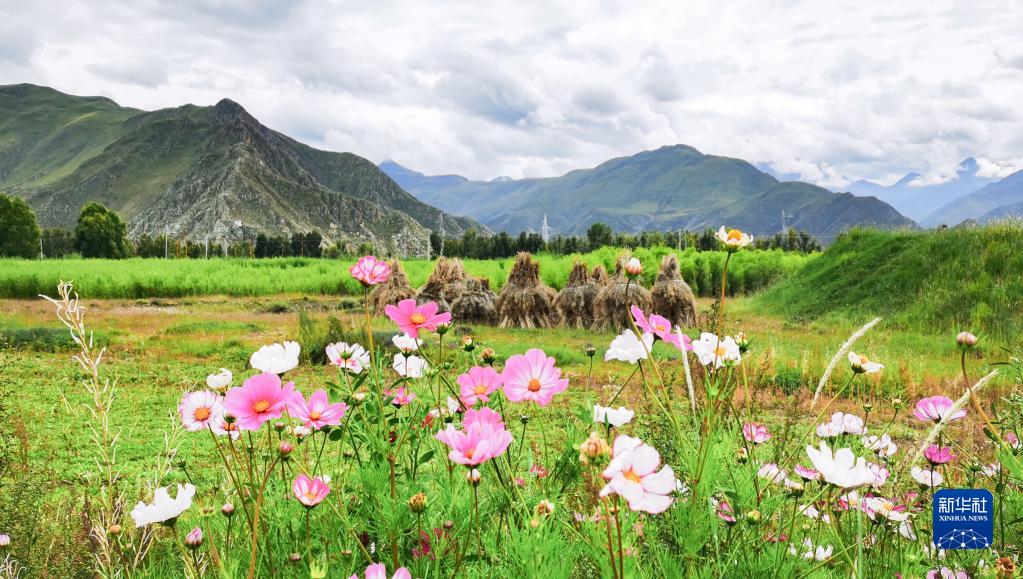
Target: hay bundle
[[445, 283], [611, 307], [392, 291], [672, 296], [575, 302], [599, 276], [477, 304], [525, 302]]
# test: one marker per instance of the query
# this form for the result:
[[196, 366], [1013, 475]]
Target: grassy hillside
[[945, 281], [148, 278]]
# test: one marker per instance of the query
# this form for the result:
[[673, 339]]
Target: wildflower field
[[292, 431]]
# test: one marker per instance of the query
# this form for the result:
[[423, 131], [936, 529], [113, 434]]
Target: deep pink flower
[[310, 491], [632, 474], [379, 571], [478, 384], [538, 471], [938, 455], [483, 436], [659, 326], [318, 411], [410, 318], [400, 396], [723, 510], [370, 271], [1012, 439], [755, 433], [258, 399], [935, 408], [532, 376]]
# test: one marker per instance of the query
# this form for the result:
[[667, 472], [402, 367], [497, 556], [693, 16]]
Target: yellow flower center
[[659, 328], [734, 235], [417, 318], [202, 413], [863, 360], [479, 389], [720, 351], [631, 475], [314, 415], [310, 496], [261, 406], [534, 385], [469, 453]]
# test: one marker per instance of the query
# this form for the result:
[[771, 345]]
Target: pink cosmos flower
[[478, 384], [661, 327], [379, 571], [351, 357], [880, 474], [532, 376], [633, 475], [938, 455], [310, 491], [411, 318], [755, 433], [317, 412], [935, 408], [1012, 439], [483, 436], [723, 510], [806, 473], [370, 271], [400, 396], [946, 573], [538, 471], [200, 410], [258, 399]]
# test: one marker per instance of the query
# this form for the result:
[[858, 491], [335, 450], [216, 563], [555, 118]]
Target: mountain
[[999, 199], [668, 188], [915, 199], [195, 171]]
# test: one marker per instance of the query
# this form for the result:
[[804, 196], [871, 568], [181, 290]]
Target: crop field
[[78, 451]]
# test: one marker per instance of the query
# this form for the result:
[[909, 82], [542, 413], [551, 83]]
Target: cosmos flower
[[841, 468], [370, 271], [200, 410], [882, 445], [881, 507], [400, 396], [615, 417], [927, 477], [657, 325], [818, 553], [627, 348], [405, 343], [806, 473], [532, 377], [632, 474], [935, 408], [723, 510], [276, 358], [410, 318], [483, 437], [771, 473], [318, 411], [164, 508], [351, 357], [733, 239], [477, 384], [220, 381], [310, 491], [755, 433], [710, 349], [841, 423], [379, 571], [938, 455], [862, 364], [946, 573], [260, 398], [409, 366]]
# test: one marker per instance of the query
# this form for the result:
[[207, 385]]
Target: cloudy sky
[[829, 90]]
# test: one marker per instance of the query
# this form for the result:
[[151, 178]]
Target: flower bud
[[590, 350], [488, 355], [227, 510], [229, 419], [468, 344], [443, 328], [5, 540], [524, 418], [194, 539], [741, 455], [294, 557], [474, 477], [417, 504], [544, 508], [114, 529], [966, 340], [743, 342], [448, 525], [279, 425], [534, 523], [593, 449], [633, 267], [359, 397], [753, 517], [284, 449]]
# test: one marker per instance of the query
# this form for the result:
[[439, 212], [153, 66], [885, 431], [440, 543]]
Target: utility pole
[[41, 256], [441, 235]]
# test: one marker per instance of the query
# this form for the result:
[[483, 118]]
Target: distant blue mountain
[[997, 200], [916, 200]]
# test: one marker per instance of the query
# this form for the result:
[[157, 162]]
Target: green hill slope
[[195, 172], [947, 280]]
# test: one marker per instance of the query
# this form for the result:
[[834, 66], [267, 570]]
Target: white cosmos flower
[[626, 347], [351, 357], [220, 381], [451, 409], [819, 553], [201, 410], [772, 473], [614, 417], [276, 358], [880, 506], [405, 343], [164, 509], [880, 474], [841, 423], [409, 366], [882, 445], [927, 477], [841, 468], [301, 431], [709, 349], [991, 469], [811, 511], [862, 364], [733, 239]]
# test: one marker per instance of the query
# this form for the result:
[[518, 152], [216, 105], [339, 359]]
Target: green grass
[[942, 281], [157, 278]]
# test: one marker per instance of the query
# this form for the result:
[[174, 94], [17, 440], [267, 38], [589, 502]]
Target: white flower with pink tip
[[632, 474]]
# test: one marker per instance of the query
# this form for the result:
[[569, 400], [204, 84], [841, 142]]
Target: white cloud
[[835, 91], [998, 169]]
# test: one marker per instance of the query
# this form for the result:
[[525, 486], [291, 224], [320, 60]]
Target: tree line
[[101, 232]]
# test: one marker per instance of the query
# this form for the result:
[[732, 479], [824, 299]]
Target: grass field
[[157, 278]]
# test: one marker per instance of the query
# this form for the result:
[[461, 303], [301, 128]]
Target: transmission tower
[[545, 230]]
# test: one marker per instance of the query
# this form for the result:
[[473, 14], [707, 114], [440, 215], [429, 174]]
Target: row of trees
[[100, 232]]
